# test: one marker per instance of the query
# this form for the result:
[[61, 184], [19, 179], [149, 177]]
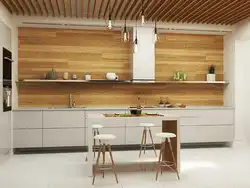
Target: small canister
[[66, 76]]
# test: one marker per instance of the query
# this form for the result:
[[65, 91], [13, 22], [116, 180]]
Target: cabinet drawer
[[24, 138], [217, 117], [63, 119], [134, 135], [199, 134], [27, 119], [63, 137]]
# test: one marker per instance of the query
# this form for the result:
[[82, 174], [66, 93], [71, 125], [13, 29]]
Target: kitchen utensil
[[74, 77], [66, 76], [51, 75], [111, 76], [88, 76]]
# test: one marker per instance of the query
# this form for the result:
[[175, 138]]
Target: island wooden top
[[132, 115]]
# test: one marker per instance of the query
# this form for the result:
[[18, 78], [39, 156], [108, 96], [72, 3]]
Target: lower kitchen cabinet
[[64, 137], [134, 135], [206, 134], [26, 138]]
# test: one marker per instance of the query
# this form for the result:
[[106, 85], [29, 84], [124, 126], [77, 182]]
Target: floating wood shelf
[[119, 82]]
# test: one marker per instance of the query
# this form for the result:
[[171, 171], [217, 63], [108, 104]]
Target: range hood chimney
[[143, 67]]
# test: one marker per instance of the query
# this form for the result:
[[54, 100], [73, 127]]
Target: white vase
[[211, 77]]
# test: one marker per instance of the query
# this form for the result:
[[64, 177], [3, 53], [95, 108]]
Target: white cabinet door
[[108, 122], [5, 132], [217, 117], [63, 137], [134, 135], [62, 119], [196, 134], [25, 138], [119, 132], [27, 119]]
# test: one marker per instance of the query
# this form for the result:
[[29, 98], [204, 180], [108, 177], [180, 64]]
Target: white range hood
[[143, 64]]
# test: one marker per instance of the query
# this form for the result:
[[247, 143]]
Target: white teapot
[[111, 76]]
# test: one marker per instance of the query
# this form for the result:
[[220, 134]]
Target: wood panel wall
[[192, 54], [99, 52]]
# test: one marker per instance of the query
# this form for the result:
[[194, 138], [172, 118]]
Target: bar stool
[[95, 128], [170, 164], [104, 138], [144, 137]]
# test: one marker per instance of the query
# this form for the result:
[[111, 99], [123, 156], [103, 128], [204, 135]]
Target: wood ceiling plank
[[64, 8], [58, 7], [38, 7], [204, 13], [27, 7], [223, 10], [82, 8], [125, 9], [88, 8], [182, 5], [134, 10], [18, 4], [169, 11], [240, 7], [153, 9], [106, 10], [14, 4], [146, 6], [76, 9], [51, 8], [9, 8], [190, 11], [159, 9], [240, 19], [178, 15], [237, 16], [114, 6], [131, 9], [94, 8], [216, 9], [70, 8], [199, 11], [33, 7], [165, 9], [100, 9], [45, 7], [118, 9]]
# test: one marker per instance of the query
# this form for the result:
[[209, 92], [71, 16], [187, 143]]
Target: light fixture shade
[[110, 22], [136, 45], [142, 19]]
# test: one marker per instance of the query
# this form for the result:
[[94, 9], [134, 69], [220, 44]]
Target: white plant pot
[[211, 77]]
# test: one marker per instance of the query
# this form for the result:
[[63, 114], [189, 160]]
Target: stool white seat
[[166, 135], [147, 125], [97, 126], [102, 150], [104, 137]]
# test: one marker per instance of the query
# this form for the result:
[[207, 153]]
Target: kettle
[[111, 76]]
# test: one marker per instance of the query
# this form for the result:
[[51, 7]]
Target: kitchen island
[[170, 123]]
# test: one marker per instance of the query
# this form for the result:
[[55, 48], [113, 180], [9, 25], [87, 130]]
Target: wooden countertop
[[132, 115]]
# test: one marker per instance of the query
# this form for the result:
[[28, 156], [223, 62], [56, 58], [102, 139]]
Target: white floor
[[200, 168]]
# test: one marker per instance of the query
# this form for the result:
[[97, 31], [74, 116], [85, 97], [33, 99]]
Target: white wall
[[237, 66], [6, 29]]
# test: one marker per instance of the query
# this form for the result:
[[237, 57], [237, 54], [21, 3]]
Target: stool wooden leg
[[150, 134], [145, 141], [159, 163], [142, 140], [94, 142], [112, 161], [97, 163], [173, 157], [103, 153]]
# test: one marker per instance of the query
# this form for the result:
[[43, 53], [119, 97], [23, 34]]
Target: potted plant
[[211, 74]]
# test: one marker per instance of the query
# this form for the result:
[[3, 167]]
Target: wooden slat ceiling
[[227, 12]]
